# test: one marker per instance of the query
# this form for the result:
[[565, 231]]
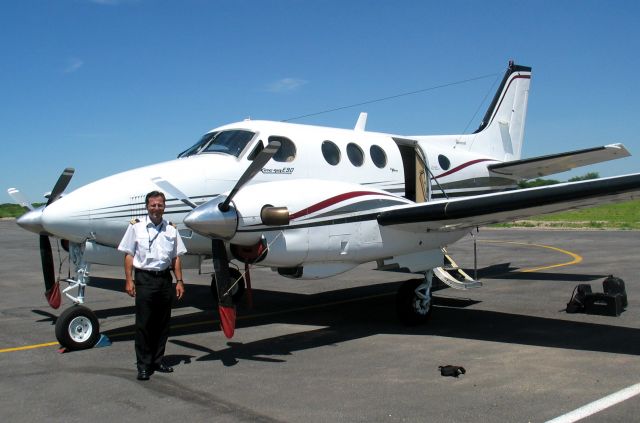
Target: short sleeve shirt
[[152, 247]]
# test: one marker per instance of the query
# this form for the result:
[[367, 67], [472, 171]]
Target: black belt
[[154, 272]]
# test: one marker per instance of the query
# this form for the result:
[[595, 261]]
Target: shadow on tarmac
[[361, 312]]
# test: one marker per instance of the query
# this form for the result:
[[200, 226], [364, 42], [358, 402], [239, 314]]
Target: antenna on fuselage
[[361, 123]]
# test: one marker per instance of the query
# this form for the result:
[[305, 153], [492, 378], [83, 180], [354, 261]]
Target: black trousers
[[154, 296]]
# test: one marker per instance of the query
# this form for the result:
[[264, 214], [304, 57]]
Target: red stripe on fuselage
[[331, 201], [462, 166]]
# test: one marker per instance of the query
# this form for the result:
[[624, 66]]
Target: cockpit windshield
[[229, 142]]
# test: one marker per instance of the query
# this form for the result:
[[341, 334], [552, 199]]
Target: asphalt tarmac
[[333, 350]]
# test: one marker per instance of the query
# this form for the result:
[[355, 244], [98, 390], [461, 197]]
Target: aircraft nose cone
[[208, 220], [68, 218], [32, 221]]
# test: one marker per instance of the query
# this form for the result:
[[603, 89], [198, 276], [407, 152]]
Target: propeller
[[19, 198], [218, 220], [32, 221]]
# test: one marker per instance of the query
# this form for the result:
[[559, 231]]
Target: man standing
[[153, 247]]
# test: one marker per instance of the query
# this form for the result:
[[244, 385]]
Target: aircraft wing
[[444, 215], [536, 167]]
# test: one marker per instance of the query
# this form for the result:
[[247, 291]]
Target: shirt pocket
[[166, 246]]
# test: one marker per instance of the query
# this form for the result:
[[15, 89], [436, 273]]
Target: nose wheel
[[77, 328]]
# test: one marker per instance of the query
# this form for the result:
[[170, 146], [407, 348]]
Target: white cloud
[[73, 65], [286, 84]]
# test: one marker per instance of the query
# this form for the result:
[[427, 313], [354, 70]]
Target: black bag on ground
[[603, 304], [613, 285], [576, 303]]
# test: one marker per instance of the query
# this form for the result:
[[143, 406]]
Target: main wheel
[[411, 308], [238, 289], [77, 328]]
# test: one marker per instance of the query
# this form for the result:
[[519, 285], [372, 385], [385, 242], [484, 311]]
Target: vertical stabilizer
[[501, 131]]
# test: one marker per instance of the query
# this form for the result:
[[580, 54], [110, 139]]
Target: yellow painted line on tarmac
[[29, 347], [575, 257]]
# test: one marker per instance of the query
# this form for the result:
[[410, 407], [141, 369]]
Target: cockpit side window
[[287, 150], [197, 147], [230, 142]]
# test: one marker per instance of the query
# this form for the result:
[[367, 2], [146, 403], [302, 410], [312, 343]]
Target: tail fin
[[501, 132]]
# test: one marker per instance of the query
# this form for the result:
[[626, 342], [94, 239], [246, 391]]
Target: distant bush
[[11, 210], [537, 183], [590, 175]]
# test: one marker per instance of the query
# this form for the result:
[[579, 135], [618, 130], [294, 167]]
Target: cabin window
[[331, 152], [378, 156], [287, 150], [355, 154], [444, 162], [229, 142]]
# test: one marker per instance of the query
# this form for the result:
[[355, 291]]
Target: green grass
[[609, 216]]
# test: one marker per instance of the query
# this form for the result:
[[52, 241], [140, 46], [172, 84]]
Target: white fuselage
[[100, 211]]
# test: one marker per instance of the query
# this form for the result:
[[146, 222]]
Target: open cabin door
[[417, 186]]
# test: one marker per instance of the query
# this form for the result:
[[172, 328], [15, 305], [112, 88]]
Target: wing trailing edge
[[536, 167], [511, 205]]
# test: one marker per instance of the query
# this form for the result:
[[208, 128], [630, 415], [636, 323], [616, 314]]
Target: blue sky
[[109, 85]]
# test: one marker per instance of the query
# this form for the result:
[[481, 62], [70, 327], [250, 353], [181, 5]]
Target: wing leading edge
[[511, 205], [536, 167]]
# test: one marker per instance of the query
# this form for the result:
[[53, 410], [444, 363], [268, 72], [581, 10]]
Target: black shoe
[[143, 374], [163, 368]]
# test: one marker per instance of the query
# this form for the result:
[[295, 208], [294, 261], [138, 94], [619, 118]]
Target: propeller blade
[[52, 290], [226, 308], [171, 189], [258, 163], [19, 198], [61, 184]]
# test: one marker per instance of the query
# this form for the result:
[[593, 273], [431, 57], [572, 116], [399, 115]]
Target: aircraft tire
[[238, 290], [77, 328], [410, 308]]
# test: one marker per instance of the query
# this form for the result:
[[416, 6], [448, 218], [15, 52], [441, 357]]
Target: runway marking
[[576, 258], [29, 347], [598, 405]]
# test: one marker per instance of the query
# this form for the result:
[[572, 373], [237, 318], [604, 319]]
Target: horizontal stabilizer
[[507, 206], [547, 165]]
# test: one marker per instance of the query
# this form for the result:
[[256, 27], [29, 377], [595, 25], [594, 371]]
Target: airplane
[[312, 202]]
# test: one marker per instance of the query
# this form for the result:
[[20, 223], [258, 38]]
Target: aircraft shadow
[[357, 313]]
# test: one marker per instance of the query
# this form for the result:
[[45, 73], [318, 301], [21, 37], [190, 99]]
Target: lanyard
[[159, 229]]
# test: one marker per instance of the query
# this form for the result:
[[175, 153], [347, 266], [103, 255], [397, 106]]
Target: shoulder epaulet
[[134, 221], [173, 224]]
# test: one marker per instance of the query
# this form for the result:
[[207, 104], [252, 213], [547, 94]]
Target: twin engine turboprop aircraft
[[312, 202]]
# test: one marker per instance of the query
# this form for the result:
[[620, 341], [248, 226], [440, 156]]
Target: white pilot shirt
[[152, 247]]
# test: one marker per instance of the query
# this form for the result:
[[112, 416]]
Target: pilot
[[152, 247]]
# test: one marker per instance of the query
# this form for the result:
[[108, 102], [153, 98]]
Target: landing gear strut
[[77, 328], [413, 300]]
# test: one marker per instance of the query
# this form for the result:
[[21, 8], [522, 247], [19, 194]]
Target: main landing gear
[[414, 301], [77, 328]]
